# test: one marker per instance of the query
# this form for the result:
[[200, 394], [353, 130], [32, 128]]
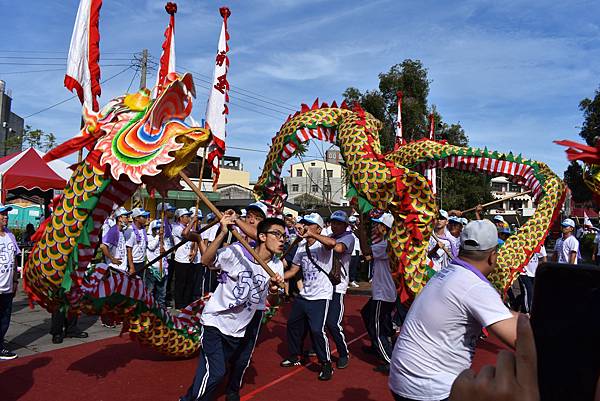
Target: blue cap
[[339, 215], [5, 208]]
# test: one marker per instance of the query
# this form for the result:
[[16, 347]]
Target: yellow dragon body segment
[[393, 181], [135, 139]]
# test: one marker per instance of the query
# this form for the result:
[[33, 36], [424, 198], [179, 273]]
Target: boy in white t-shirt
[[566, 249], [314, 258], [137, 243], [182, 261], [8, 279], [437, 341], [527, 277], [232, 307], [440, 246], [155, 277], [377, 312]]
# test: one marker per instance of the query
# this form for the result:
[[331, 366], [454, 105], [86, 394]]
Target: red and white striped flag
[[83, 71], [431, 173], [217, 109], [167, 57], [399, 139]]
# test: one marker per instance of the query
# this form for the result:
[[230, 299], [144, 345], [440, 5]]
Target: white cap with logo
[[139, 211], [386, 219], [479, 235], [568, 223], [261, 207], [313, 218], [182, 212], [122, 212]]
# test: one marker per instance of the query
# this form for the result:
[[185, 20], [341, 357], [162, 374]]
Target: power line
[[74, 96], [62, 64], [31, 71]]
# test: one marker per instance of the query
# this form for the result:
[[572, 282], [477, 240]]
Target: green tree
[[573, 176], [590, 130], [456, 189], [409, 77], [31, 138]]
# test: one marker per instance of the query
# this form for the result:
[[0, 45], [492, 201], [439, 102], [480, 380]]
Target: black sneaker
[[77, 334], [290, 362], [385, 369], [6, 355], [342, 362], [232, 397], [326, 371], [57, 339]]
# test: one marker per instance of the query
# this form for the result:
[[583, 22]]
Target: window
[[327, 188], [497, 186], [295, 187], [299, 173], [329, 173], [515, 188], [313, 164], [515, 205], [314, 188]]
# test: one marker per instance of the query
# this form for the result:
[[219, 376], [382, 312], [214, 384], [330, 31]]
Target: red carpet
[[119, 369]]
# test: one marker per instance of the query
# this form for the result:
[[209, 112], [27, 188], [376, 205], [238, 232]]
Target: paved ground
[[29, 328]]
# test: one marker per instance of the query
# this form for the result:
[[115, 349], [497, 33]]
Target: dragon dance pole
[[219, 215], [498, 201]]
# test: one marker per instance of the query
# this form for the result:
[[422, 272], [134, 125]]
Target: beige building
[[521, 205]]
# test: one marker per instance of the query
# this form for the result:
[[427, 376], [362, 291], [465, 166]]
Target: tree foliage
[[32, 138], [573, 176], [456, 189], [590, 130]]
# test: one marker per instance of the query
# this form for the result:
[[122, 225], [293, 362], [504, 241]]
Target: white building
[[317, 179], [521, 205]]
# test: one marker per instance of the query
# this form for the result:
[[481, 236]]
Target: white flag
[[217, 109], [83, 71]]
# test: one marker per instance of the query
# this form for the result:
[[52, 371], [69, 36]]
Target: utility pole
[[143, 68]]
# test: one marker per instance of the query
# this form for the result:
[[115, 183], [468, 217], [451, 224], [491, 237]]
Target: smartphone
[[565, 317]]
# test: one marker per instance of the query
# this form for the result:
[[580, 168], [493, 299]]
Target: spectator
[[377, 312], [596, 250], [356, 253], [29, 231], [8, 279], [315, 262], [566, 249], [155, 277], [182, 263], [526, 280], [137, 243], [498, 220], [438, 338], [440, 247]]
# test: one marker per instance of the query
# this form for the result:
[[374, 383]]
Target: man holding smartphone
[[439, 335]]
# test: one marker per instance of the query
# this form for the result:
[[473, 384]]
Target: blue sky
[[511, 72]]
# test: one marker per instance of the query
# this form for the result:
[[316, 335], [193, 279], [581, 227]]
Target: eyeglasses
[[278, 235]]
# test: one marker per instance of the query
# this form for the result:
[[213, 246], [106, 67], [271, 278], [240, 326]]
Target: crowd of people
[[314, 261]]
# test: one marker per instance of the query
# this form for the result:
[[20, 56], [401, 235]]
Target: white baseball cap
[[455, 219], [122, 212], [498, 218], [193, 211], [568, 223], [479, 235], [313, 218], [352, 219], [386, 219], [443, 214], [139, 211], [182, 212], [464, 221], [166, 206], [261, 207], [154, 224]]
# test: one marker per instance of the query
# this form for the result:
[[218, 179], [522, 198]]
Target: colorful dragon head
[[141, 138]]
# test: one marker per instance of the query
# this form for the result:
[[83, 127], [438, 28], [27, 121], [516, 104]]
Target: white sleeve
[[485, 304], [543, 251], [153, 242], [226, 259], [573, 245], [380, 250], [176, 232], [130, 241]]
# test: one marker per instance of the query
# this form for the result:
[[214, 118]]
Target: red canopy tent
[[27, 170]]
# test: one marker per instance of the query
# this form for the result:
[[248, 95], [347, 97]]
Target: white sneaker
[[354, 284]]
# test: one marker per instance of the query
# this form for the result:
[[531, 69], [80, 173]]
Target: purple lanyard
[[138, 237], [470, 267]]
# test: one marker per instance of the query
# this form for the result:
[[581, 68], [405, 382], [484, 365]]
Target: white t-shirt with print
[[8, 250], [382, 286], [119, 251], [211, 233], [231, 308], [347, 240], [535, 261], [153, 251], [182, 254], [440, 258], [438, 338], [315, 283], [138, 244], [564, 247]]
